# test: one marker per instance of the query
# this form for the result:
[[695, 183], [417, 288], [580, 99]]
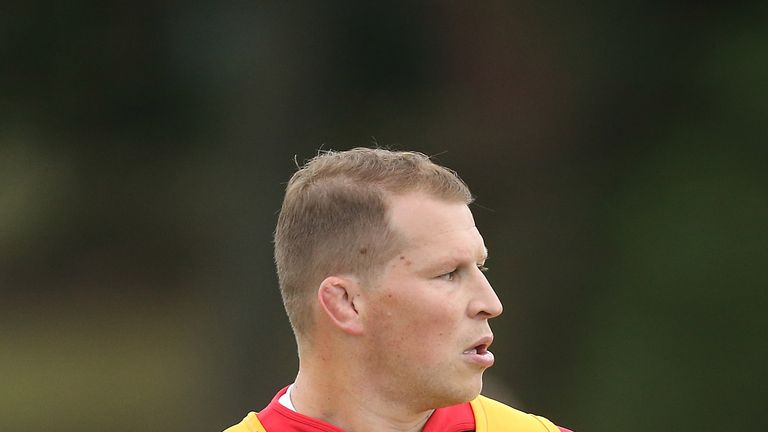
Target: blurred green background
[[617, 150]]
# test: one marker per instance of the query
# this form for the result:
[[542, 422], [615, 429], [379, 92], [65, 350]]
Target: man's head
[[381, 270], [334, 219]]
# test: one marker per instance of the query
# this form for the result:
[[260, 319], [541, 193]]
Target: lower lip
[[485, 359]]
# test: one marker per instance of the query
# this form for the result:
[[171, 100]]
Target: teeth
[[472, 351]]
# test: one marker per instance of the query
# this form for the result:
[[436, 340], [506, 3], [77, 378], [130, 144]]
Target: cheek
[[420, 326]]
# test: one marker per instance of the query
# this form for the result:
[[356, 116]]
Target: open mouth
[[479, 354], [479, 349]]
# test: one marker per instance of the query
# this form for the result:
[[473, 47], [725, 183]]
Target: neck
[[342, 397]]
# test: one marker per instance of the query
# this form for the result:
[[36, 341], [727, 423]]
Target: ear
[[337, 297]]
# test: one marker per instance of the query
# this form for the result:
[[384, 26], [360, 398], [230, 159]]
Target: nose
[[485, 304]]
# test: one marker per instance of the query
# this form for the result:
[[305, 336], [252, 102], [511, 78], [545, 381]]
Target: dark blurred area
[[618, 153]]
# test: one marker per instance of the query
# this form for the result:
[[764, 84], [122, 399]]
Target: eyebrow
[[455, 259]]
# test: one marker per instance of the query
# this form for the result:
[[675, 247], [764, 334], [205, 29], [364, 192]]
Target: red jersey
[[276, 417]]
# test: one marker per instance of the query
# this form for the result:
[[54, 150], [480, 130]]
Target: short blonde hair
[[334, 218]]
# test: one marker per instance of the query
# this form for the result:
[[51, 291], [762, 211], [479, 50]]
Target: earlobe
[[338, 297]]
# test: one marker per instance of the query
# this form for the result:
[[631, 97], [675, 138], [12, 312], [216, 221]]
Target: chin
[[475, 391], [461, 394]]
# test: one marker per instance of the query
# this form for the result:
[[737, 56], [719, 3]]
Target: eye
[[482, 268], [451, 275]]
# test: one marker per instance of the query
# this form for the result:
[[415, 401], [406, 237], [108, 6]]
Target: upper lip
[[482, 343]]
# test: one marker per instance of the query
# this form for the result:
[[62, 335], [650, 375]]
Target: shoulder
[[491, 416], [249, 424]]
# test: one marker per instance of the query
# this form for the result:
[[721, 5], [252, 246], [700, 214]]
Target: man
[[381, 272]]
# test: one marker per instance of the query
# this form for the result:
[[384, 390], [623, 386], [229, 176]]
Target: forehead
[[421, 220]]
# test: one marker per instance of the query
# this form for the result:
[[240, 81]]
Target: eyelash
[[451, 274]]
